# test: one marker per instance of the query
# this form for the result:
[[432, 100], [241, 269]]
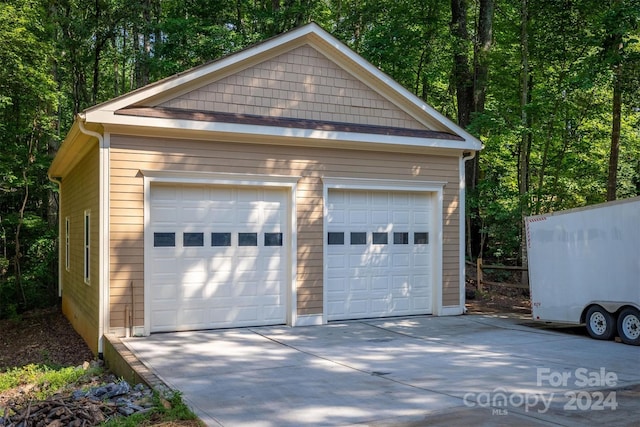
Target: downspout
[[463, 238], [81, 118]]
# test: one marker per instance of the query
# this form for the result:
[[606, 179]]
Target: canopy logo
[[500, 399]]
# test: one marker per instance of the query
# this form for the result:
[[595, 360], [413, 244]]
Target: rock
[[81, 408], [126, 410]]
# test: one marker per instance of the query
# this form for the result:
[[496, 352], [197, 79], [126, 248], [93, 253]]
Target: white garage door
[[378, 254], [218, 257]]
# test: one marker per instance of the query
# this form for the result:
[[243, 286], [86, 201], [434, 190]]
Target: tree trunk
[[461, 71], [481, 54], [471, 88]]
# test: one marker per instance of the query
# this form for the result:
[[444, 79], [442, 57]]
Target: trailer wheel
[[629, 326], [600, 323]]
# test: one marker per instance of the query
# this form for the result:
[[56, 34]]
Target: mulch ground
[[43, 337]]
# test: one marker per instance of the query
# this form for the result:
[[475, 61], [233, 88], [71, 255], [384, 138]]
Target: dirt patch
[[496, 299], [45, 337], [42, 337]]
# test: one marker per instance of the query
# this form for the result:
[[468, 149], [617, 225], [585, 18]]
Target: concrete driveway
[[464, 370]]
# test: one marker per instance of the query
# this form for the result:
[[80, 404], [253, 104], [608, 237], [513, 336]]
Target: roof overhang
[[72, 150]]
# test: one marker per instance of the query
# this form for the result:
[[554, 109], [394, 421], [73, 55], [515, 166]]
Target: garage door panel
[[400, 218], [336, 286], [400, 260], [357, 283], [221, 263], [386, 270], [336, 218], [421, 259], [401, 199], [196, 214], [221, 195], [248, 195], [357, 307], [229, 278], [248, 216], [164, 194], [358, 217], [335, 262], [380, 283], [246, 289], [223, 218], [192, 291], [164, 319], [165, 293], [192, 317], [165, 215], [381, 217], [401, 305]]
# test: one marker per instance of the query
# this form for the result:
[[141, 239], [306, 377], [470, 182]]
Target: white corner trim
[[105, 232], [462, 207]]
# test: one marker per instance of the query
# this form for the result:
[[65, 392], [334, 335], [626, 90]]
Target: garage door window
[[400, 238], [193, 239], [358, 238], [164, 240], [220, 239], [247, 239], [273, 239], [421, 238], [380, 238], [335, 238]]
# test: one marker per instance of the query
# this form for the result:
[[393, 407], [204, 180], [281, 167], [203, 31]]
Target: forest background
[[551, 87]]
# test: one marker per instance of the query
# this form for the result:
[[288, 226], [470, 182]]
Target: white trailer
[[584, 268]]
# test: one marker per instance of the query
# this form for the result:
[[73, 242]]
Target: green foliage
[[59, 58], [47, 380], [172, 408]]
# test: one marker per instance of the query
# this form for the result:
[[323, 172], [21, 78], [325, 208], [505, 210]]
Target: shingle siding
[[299, 84]]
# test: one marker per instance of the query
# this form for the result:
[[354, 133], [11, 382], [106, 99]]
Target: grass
[[44, 381], [164, 412]]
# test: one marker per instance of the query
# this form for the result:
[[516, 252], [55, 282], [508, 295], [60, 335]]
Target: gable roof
[[150, 110]]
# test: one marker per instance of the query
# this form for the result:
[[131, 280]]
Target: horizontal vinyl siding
[[130, 155], [80, 301]]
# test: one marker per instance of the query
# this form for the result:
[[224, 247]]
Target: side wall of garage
[[81, 287], [129, 155]]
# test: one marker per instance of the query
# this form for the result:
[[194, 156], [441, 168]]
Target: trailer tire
[[600, 323], [629, 326]]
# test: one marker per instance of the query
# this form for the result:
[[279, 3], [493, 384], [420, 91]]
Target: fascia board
[[72, 150], [273, 134]]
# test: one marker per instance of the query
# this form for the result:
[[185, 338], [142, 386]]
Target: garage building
[[289, 183]]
